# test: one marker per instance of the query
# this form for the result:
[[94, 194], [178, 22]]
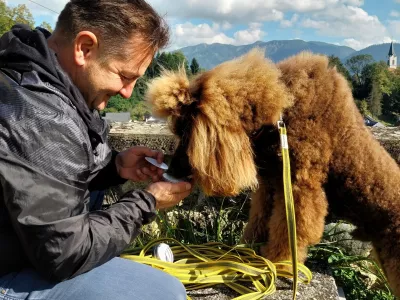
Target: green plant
[[360, 277]]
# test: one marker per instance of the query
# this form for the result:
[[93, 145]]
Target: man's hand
[[168, 194], [131, 164]]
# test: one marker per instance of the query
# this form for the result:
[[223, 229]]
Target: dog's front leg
[[256, 230], [311, 208]]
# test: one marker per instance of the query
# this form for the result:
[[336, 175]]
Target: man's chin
[[102, 105]]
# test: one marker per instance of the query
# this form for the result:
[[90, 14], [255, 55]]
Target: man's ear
[[86, 46]]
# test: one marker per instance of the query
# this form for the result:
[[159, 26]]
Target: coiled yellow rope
[[200, 266]]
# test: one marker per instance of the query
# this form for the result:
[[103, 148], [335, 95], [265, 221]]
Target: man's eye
[[127, 78]]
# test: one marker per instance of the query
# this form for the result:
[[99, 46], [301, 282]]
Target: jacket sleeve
[[107, 177], [60, 241]]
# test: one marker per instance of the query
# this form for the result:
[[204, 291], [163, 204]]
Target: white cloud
[[239, 11], [291, 22], [353, 43], [253, 34], [190, 34], [394, 28], [226, 25], [395, 13], [357, 28], [233, 11]]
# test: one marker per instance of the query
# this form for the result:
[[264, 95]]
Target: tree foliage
[[194, 66], [46, 26], [335, 61], [9, 16], [357, 63], [20, 14]]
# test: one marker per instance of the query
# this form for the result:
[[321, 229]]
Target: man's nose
[[126, 91]]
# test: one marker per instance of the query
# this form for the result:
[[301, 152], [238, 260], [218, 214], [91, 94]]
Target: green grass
[[359, 276]]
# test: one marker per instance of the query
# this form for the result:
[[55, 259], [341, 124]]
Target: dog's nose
[[180, 167]]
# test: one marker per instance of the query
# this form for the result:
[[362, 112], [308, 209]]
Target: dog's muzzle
[[179, 166]]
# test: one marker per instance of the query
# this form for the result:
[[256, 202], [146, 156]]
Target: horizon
[[284, 40], [233, 22]]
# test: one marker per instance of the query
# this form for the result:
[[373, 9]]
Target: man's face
[[98, 82]]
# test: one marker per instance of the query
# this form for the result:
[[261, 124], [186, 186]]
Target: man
[[54, 152]]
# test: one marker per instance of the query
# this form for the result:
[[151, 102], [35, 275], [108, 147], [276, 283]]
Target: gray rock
[[340, 234], [322, 287]]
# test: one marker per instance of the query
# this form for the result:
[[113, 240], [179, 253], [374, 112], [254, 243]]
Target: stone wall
[[158, 136]]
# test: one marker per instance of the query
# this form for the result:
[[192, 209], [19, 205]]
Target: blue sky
[[354, 23]]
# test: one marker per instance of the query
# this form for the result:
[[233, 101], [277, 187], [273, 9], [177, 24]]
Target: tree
[[335, 61], [172, 61], [11, 16], [194, 66], [391, 103], [357, 63], [139, 111], [22, 15], [375, 99], [119, 104], [46, 26], [363, 107]]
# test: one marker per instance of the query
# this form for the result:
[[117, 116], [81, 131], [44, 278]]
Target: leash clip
[[280, 123], [283, 134]]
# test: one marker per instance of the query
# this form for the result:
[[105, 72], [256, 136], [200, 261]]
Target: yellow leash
[[289, 203], [200, 266]]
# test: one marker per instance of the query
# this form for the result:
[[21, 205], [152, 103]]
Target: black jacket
[[53, 151]]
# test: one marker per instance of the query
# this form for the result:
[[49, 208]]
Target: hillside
[[211, 55], [378, 52]]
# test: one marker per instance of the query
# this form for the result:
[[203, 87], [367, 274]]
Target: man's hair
[[115, 22]]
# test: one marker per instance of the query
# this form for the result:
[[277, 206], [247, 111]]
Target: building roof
[[118, 117], [391, 50]]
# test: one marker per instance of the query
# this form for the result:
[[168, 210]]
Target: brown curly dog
[[226, 120]]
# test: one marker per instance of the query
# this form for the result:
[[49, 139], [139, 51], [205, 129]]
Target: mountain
[[378, 52], [208, 56]]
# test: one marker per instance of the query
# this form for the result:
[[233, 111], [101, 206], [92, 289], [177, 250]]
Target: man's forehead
[[136, 64]]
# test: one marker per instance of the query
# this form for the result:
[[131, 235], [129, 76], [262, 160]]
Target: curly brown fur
[[335, 160]]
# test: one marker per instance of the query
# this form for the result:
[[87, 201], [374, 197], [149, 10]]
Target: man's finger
[[160, 157], [140, 175], [180, 187], [144, 151]]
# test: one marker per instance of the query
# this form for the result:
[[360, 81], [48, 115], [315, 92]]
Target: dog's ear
[[223, 158], [168, 93]]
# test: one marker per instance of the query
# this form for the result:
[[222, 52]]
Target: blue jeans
[[118, 279]]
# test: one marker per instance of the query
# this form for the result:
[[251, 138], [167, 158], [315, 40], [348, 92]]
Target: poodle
[[226, 122]]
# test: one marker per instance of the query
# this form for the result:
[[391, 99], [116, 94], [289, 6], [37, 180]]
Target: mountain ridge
[[210, 55]]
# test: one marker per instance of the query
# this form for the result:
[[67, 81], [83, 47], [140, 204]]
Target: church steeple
[[392, 58]]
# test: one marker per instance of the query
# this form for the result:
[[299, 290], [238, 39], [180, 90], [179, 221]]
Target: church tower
[[392, 60]]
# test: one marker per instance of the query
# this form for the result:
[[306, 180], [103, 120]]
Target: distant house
[[118, 117], [371, 122]]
